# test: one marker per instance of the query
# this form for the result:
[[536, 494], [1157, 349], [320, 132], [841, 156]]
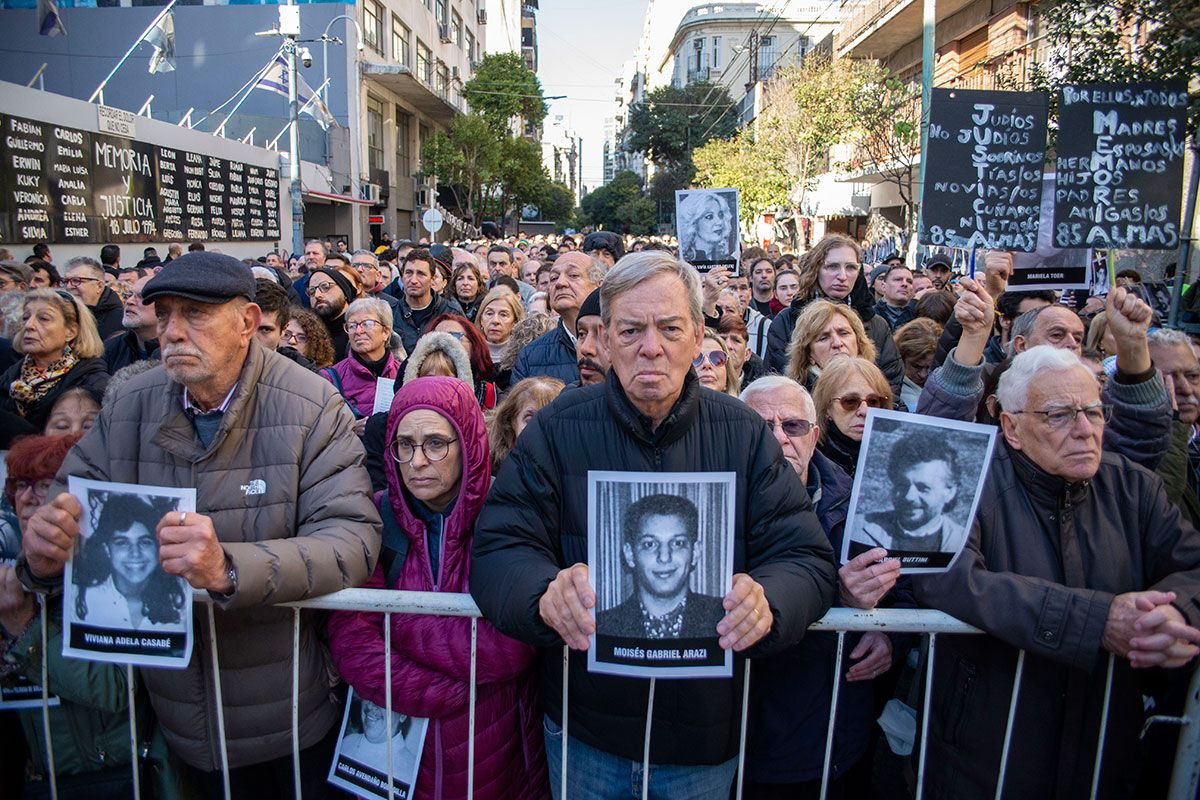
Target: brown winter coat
[[309, 528]]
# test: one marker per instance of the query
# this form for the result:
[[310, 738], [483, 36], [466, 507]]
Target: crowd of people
[[425, 416]]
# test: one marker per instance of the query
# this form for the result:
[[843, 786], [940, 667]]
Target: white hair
[[373, 306], [265, 274], [771, 383], [1036, 363], [635, 269], [1168, 336]]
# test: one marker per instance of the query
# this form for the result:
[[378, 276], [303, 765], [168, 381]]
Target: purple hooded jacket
[[357, 384], [431, 656]]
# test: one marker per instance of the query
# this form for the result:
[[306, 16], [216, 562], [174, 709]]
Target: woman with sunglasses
[[438, 476], [824, 331], [848, 386], [713, 367], [62, 351], [832, 271], [369, 328]]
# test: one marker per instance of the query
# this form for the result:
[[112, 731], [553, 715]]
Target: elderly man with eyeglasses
[[84, 278], [1075, 553], [1141, 409], [790, 694]]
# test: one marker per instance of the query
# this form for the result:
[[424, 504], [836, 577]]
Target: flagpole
[[249, 88], [129, 52], [316, 96]]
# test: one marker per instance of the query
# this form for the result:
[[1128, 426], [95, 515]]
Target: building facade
[[394, 76]]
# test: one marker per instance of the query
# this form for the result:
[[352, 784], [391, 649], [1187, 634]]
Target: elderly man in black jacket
[[1075, 553], [528, 572]]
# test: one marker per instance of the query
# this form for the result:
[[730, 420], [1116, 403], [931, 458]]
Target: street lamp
[[355, 143]]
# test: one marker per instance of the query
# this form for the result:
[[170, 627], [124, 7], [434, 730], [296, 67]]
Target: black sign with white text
[[983, 174], [1120, 165], [61, 184]]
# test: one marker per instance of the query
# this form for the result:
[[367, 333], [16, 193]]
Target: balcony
[[402, 81], [878, 28]]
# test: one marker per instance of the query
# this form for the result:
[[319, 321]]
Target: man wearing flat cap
[[283, 513]]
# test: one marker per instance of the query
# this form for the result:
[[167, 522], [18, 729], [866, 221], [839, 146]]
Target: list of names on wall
[[61, 184]]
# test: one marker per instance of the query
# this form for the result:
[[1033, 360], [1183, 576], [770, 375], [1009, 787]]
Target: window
[[403, 145], [439, 11], [470, 46], [373, 25], [698, 54], [424, 63], [442, 87], [803, 46], [766, 57], [400, 35], [716, 52], [456, 29], [374, 134]]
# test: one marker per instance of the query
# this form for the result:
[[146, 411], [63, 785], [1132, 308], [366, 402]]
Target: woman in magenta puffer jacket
[[438, 476]]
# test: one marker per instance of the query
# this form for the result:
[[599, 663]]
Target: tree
[[889, 135], [671, 122], [1092, 41], [502, 89], [520, 178], [809, 108], [558, 204], [464, 158], [751, 166], [619, 206]]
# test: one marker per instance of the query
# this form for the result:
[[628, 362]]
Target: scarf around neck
[[34, 383]]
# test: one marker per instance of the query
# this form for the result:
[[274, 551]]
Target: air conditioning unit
[[444, 32], [481, 16], [454, 73], [372, 192]]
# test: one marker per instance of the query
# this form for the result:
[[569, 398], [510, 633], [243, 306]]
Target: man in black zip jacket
[[528, 572]]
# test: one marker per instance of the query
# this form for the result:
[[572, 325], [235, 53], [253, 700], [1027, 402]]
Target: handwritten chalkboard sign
[[60, 184], [983, 170], [1120, 165]]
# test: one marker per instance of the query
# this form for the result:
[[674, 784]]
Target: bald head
[[1056, 326]]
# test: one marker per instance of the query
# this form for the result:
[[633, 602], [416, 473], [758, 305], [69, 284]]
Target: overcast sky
[[582, 45]]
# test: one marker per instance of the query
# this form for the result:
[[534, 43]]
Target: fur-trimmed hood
[[436, 341]]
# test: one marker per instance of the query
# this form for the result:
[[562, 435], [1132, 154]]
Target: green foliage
[[1091, 41], [751, 166], [558, 204], [520, 178], [672, 121], [503, 89], [889, 133], [619, 206], [809, 108], [465, 158]]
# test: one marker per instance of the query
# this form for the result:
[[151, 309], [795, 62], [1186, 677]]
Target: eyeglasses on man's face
[[75, 283]]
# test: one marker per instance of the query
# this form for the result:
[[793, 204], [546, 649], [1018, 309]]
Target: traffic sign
[[432, 220]]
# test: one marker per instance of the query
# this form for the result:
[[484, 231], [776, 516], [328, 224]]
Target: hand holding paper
[[49, 538]]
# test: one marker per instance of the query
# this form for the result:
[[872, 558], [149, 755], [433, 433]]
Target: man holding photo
[[529, 572], [284, 512]]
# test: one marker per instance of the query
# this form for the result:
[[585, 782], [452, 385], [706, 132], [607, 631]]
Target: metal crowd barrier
[[1184, 780]]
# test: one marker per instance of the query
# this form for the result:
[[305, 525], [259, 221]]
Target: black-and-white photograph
[[360, 763], [706, 222], [660, 556], [119, 605], [916, 488], [1048, 267]]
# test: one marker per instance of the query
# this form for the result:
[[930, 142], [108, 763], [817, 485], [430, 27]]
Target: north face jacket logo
[[256, 486]]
